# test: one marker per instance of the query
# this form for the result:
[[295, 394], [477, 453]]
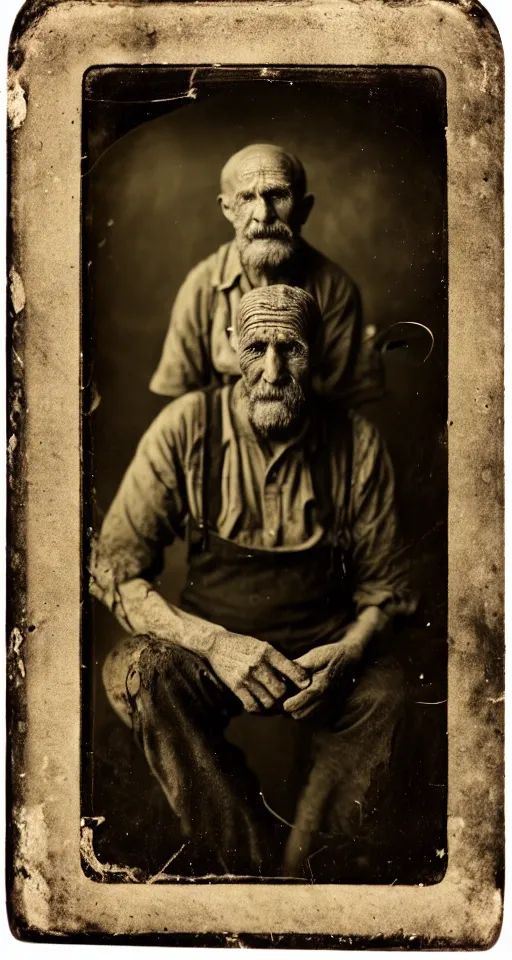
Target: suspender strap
[[337, 513], [217, 276], [212, 460], [349, 461]]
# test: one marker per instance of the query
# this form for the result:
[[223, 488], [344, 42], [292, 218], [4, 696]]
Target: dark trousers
[[179, 711]]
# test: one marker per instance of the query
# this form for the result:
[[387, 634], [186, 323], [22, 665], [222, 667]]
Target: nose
[[272, 366], [262, 211]]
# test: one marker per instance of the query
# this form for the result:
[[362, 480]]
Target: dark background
[[373, 144]]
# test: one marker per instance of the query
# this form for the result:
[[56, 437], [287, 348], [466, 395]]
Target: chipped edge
[[29, 906], [28, 899]]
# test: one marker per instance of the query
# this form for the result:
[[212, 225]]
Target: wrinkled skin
[[327, 666], [255, 672], [274, 360], [267, 212]]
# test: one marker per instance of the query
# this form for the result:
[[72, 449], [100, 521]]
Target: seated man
[[263, 195], [294, 570]]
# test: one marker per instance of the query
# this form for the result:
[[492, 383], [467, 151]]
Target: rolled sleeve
[[147, 513]]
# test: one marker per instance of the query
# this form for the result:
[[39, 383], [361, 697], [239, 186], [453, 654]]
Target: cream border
[[464, 909]]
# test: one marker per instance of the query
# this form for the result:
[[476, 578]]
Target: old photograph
[[255, 335], [265, 330]]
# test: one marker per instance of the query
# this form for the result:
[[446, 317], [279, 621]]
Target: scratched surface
[[373, 143], [51, 895]]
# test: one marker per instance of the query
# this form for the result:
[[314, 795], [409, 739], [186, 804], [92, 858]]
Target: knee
[[141, 661], [167, 661], [119, 665]]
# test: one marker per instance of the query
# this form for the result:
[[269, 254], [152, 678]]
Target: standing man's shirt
[[197, 350]]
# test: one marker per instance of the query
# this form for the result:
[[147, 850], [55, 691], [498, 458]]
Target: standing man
[[264, 196], [294, 575]]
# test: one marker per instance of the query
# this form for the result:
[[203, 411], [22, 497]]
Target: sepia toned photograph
[[265, 329], [256, 474]]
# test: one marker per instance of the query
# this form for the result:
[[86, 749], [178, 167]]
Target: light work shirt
[[268, 498], [198, 352]]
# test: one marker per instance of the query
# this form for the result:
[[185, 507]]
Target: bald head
[[276, 327], [252, 157], [263, 195]]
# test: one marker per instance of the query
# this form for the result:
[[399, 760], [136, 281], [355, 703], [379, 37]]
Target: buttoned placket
[[272, 505], [271, 508], [276, 473]]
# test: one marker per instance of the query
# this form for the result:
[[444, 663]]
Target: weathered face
[[274, 360], [261, 203]]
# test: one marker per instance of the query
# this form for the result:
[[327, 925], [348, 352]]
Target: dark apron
[[294, 600]]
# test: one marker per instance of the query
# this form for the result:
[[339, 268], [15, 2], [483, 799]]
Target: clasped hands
[[260, 676]]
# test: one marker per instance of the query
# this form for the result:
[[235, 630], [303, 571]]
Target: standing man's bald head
[[253, 155], [263, 195]]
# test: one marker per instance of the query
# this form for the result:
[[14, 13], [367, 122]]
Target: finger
[[250, 703], [289, 668], [299, 700], [266, 676], [307, 711], [315, 659], [260, 693]]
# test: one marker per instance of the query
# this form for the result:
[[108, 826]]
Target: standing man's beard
[[276, 412], [267, 247]]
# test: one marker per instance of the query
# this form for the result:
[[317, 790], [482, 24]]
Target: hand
[[253, 670], [328, 665]]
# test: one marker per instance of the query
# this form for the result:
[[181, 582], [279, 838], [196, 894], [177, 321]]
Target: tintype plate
[[121, 116]]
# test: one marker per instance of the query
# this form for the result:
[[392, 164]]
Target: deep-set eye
[[292, 348], [258, 347], [246, 197], [280, 194]]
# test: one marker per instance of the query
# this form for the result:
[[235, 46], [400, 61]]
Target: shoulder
[[205, 273], [335, 422], [366, 439], [326, 274], [370, 450], [178, 426], [366, 435]]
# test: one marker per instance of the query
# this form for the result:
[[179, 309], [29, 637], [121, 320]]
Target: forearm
[[251, 669], [142, 610], [373, 620], [369, 622]]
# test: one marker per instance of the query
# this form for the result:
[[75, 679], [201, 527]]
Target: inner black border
[[201, 78]]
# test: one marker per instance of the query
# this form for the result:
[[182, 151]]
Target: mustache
[[288, 391], [276, 393], [272, 231]]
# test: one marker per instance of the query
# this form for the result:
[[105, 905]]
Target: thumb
[[313, 659]]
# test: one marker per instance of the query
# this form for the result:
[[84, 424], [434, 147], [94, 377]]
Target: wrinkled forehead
[[260, 168], [271, 327]]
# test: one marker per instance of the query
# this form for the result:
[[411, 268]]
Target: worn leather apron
[[294, 599]]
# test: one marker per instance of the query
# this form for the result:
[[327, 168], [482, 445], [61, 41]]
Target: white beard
[[267, 253]]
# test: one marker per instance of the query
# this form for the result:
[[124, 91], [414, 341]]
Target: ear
[[225, 207], [306, 206]]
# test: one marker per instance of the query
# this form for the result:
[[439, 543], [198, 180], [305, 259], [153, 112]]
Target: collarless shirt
[[197, 350], [268, 498]]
